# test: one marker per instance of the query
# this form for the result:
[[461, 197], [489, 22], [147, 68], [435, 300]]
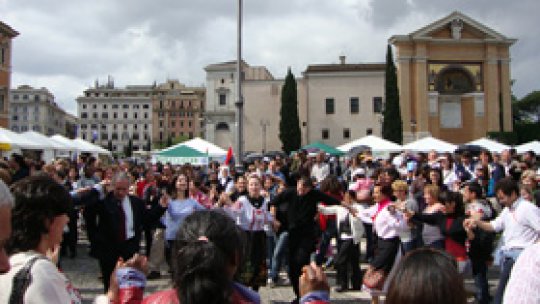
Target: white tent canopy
[[85, 146], [372, 141], [45, 141], [489, 144], [65, 141], [18, 140], [201, 145], [531, 146], [429, 143]]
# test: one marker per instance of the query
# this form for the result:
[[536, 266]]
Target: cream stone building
[[262, 100], [336, 104], [35, 109], [112, 116], [343, 101], [454, 80], [6, 36]]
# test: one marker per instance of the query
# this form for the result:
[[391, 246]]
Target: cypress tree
[[392, 128], [289, 124]]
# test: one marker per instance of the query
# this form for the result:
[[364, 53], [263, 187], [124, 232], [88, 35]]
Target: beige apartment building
[[343, 101], [111, 116], [6, 36], [336, 104], [35, 109], [177, 112], [454, 80]]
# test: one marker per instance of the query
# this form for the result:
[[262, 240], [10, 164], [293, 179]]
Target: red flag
[[230, 158]]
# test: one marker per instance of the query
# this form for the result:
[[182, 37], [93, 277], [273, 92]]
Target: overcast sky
[[65, 45]]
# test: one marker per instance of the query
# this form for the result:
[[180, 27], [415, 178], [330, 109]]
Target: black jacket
[[103, 221]]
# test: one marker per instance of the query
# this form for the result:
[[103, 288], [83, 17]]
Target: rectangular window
[[222, 99], [3, 57], [125, 115], [125, 106], [330, 106], [2, 105], [377, 105], [84, 106], [355, 105], [115, 106], [135, 115], [105, 115], [346, 133], [95, 115], [145, 106], [105, 106], [115, 115], [145, 115], [325, 134], [369, 131], [84, 115]]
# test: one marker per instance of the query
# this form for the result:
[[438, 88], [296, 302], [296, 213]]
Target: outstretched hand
[[313, 279]]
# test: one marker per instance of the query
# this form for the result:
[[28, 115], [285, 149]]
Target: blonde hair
[[433, 190], [400, 185]]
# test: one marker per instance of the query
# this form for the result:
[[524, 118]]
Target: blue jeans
[[327, 235], [270, 245], [507, 263], [280, 254]]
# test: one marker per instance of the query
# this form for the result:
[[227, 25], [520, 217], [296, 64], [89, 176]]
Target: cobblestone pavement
[[83, 271]]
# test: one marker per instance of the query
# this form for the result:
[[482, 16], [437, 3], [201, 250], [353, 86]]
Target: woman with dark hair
[[435, 178], [252, 215], [327, 223], [387, 224], [180, 206], [38, 219], [426, 276], [450, 224]]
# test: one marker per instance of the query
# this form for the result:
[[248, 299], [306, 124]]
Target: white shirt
[[320, 171], [520, 224], [357, 228], [387, 225], [128, 211], [48, 284], [248, 217]]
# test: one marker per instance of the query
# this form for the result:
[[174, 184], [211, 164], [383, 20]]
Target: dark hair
[[386, 189], [450, 196], [37, 199], [475, 188], [306, 181], [206, 244], [426, 276], [331, 185], [439, 172], [173, 192], [392, 172], [507, 185]]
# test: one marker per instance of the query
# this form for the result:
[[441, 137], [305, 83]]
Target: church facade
[[454, 80]]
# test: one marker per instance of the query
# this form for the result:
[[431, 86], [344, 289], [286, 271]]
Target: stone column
[[506, 94]]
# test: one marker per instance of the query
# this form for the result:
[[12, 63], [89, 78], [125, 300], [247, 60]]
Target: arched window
[[455, 80], [222, 126]]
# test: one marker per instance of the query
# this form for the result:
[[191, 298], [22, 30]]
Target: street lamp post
[[264, 123], [240, 100]]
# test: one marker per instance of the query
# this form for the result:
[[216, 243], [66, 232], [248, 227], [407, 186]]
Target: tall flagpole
[[240, 100]]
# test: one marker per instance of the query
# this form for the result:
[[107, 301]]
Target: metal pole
[[240, 100]]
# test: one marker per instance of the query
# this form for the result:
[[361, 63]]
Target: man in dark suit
[[118, 220]]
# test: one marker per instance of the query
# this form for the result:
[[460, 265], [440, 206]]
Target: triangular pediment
[[458, 26]]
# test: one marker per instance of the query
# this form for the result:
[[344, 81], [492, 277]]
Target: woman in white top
[[252, 215], [38, 220], [388, 223]]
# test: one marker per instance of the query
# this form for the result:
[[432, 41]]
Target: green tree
[[392, 128], [289, 124], [128, 150], [528, 108]]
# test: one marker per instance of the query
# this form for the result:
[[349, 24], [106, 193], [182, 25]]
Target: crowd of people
[[428, 221]]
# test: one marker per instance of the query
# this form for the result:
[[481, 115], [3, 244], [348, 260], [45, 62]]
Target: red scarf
[[380, 207]]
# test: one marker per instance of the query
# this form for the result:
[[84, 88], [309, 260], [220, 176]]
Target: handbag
[[374, 278]]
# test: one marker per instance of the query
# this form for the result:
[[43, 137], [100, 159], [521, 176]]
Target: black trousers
[[301, 245], [109, 256], [348, 257]]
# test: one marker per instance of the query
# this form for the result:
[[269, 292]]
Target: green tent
[[182, 155], [319, 146]]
